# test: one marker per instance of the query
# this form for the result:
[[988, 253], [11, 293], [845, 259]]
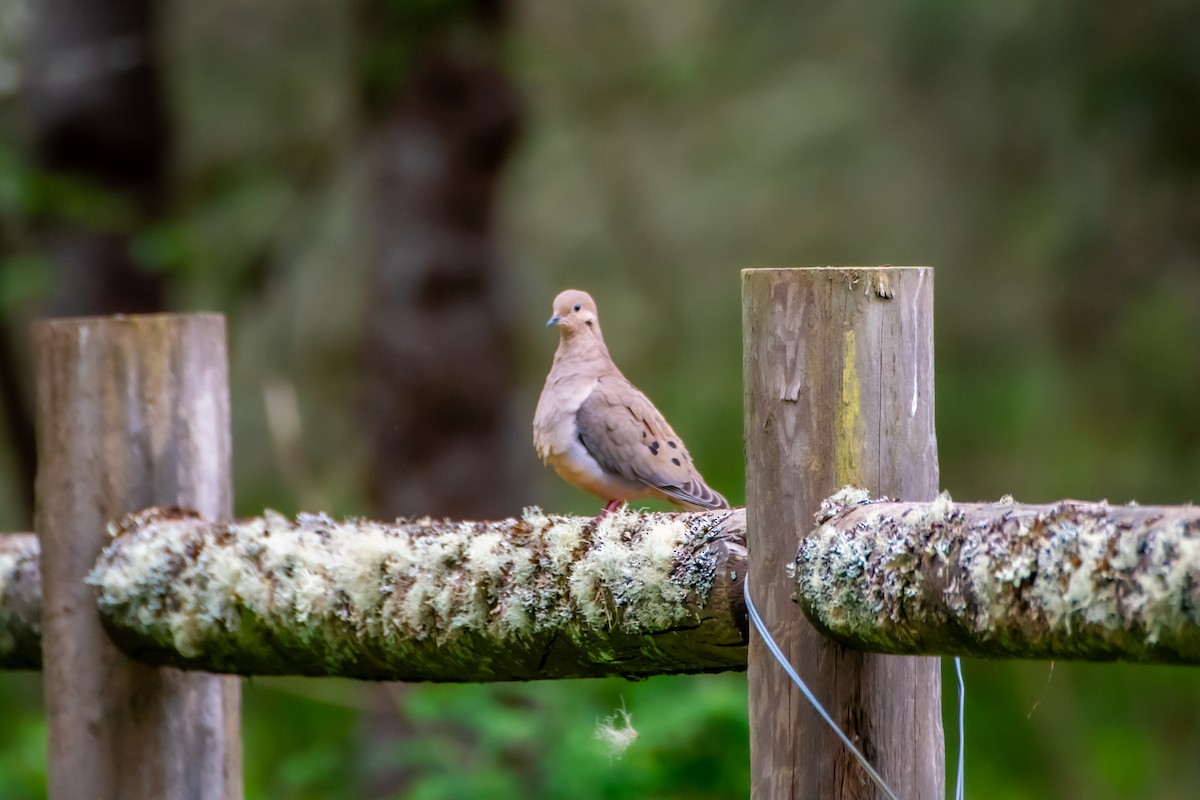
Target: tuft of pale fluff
[[617, 731]]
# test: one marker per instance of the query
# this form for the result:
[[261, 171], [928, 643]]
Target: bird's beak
[[553, 320]]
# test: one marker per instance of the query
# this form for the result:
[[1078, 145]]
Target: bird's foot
[[609, 507]]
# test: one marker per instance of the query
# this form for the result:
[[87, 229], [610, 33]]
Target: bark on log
[[20, 602], [423, 600], [1072, 580]]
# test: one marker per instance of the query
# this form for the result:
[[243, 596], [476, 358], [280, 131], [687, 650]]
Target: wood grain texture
[[838, 368], [131, 412]]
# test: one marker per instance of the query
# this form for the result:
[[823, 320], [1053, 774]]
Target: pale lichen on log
[[1068, 580], [20, 602], [538, 597]]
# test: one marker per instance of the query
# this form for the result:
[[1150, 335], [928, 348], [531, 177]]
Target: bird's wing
[[626, 434]]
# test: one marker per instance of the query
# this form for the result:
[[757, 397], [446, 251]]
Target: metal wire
[[783, 662], [960, 788]]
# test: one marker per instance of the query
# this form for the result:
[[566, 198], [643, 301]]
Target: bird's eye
[[578, 306]]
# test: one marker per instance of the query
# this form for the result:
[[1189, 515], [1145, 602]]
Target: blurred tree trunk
[[440, 120], [100, 133]]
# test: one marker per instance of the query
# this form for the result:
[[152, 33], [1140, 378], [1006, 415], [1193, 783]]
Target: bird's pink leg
[[610, 507]]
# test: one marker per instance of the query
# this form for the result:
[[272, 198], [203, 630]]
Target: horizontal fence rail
[[20, 602], [426, 600], [1071, 580], [636, 595]]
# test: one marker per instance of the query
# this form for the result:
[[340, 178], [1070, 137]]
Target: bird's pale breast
[[554, 419]]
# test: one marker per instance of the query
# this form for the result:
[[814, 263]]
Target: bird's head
[[574, 313]]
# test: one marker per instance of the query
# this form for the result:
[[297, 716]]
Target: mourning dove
[[599, 432]]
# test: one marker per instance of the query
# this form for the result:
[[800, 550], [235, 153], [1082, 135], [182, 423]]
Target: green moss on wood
[[20, 602], [426, 600], [1070, 580]]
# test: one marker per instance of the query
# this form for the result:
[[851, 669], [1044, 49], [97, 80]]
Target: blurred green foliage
[[505, 740], [1045, 158]]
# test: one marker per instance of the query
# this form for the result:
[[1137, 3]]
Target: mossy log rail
[[538, 597], [1071, 580], [637, 595], [20, 602]]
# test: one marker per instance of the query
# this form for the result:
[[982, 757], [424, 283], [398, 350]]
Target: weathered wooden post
[[131, 412], [838, 368]]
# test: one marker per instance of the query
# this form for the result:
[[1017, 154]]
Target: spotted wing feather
[[627, 436]]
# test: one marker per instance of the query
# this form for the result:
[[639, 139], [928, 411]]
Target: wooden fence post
[[838, 368], [131, 412]]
